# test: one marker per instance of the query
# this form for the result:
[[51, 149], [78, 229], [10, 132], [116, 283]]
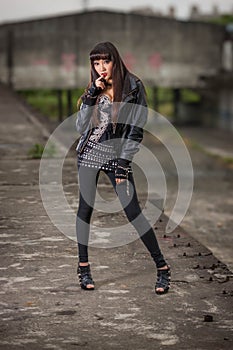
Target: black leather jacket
[[132, 117]]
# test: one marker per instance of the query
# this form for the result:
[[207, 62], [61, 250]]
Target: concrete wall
[[53, 52]]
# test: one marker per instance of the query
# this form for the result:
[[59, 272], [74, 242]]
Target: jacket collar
[[130, 84]]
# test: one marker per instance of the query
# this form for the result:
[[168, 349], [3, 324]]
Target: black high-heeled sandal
[[163, 281], [85, 278]]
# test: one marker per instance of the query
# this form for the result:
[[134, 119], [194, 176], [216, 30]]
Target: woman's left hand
[[119, 181], [122, 170]]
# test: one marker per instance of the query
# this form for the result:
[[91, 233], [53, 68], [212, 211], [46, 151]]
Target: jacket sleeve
[[84, 114], [83, 121], [137, 117]]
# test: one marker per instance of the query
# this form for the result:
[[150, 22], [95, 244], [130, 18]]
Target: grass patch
[[46, 101], [196, 146], [190, 96], [227, 160], [38, 150], [165, 99]]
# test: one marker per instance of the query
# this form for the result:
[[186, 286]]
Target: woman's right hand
[[99, 83], [93, 91]]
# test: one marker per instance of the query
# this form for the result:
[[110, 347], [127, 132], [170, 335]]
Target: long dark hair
[[106, 50]]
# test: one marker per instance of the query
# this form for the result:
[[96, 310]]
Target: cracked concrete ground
[[42, 305]]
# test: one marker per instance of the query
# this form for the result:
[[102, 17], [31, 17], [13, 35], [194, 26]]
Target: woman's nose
[[102, 67]]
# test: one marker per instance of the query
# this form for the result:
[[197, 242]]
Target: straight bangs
[[95, 56], [107, 51]]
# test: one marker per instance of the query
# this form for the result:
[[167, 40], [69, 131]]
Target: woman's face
[[103, 68]]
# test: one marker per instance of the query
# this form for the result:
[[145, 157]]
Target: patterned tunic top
[[105, 106], [99, 152]]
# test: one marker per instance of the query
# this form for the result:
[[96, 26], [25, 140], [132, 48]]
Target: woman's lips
[[104, 75]]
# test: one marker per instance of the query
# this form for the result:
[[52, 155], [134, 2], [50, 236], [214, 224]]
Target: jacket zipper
[[114, 128], [115, 124], [130, 93]]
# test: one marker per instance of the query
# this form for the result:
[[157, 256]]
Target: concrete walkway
[[42, 306], [216, 142]]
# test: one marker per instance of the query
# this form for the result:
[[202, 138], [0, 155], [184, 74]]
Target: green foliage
[[46, 101], [190, 96], [228, 160], [165, 95], [149, 95], [198, 147], [165, 98], [223, 19], [38, 150]]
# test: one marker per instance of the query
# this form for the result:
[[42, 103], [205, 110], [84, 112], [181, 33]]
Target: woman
[[111, 119]]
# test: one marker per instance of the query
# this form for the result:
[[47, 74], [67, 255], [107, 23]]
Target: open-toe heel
[[163, 281], [85, 278]]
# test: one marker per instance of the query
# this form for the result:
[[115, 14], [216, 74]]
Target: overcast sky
[[23, 9]]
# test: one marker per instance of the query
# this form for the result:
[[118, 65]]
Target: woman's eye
[[96, 63]]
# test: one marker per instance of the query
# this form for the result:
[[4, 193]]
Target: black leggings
[[88, 178]]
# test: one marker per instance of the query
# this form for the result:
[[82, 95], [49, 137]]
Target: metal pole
[[9, 57], [69, 103], [176, 100], [60, 106], [155, 98]]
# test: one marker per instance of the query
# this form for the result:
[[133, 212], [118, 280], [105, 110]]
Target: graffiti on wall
[[68, 61], [154, 60], [41, 62], [129, 60]]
